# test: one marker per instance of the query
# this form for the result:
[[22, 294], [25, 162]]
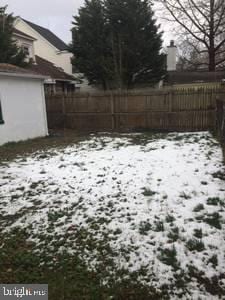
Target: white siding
[[64, 61], [46, 50], [23, 109]]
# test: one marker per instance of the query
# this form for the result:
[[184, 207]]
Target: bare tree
[[190, 56], [203, 24]]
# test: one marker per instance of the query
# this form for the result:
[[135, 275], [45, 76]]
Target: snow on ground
[[158, 201]]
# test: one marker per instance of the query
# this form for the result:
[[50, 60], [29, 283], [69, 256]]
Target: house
[[46, 44], [183, 79], [22, 104], [25, 42], [57, 81], [49, 55]]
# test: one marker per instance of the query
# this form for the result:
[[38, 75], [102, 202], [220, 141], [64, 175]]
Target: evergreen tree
[[92, 56], [9, 51], [120, 38]]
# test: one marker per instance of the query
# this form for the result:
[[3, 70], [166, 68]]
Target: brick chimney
[[171, 56]]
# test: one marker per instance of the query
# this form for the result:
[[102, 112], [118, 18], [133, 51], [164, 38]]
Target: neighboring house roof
[[47, 68], [22, 34], [49, 36], [185, 77], [8, 69]]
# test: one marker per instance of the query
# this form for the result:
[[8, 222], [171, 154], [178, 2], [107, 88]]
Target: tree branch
[[178, 20]]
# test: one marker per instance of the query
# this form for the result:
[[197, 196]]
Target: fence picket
[[167, 109]]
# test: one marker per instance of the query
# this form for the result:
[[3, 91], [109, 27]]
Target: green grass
[[198, 208], [158, 226], [213, 220], [219, 175], [204, 182], [144, 228], [148, 193], [211, 285], [173, 235], [198, 233], [214, 201], [213, 260], [170, 219], [66, 274], [185, 196], [168, 256], [195, 245], [55, 140]]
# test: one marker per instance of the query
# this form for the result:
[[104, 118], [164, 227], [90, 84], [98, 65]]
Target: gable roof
[[49, 36], [22, 34], [47, 68]]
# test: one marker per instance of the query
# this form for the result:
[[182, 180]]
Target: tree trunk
[[211, 51], [212, 60]]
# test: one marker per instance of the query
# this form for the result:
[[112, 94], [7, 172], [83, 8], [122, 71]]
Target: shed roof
[[8, 69], [49, 36]]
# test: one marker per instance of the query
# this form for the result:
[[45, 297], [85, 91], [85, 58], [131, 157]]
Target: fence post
[[112, 110], [146, 112], [223, 122], [170, 99], [219, 116], [63, 112], [220, 122]]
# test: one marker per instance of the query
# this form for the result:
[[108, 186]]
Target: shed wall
[[23, 109]]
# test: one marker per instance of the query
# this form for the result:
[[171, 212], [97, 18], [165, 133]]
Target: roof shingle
[[49, 36], [45, 67], [8, 68]]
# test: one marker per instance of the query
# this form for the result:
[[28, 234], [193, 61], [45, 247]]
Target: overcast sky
[[55, 15]]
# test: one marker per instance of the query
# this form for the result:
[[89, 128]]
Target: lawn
[[129, 216]]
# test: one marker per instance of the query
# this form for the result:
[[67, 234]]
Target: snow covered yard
[[149, 205]]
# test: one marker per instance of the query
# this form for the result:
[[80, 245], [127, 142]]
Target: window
[[1, 116], [26, 50]]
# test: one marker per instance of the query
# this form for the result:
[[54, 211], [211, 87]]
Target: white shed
[[22, 105]]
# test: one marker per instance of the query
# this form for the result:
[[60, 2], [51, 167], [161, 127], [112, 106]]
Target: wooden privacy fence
[[220, 121], [167, 109]]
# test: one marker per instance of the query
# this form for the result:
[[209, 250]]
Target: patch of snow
[[133, 188]]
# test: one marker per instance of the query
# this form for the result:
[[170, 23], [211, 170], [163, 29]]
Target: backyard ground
[[129, 216]]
